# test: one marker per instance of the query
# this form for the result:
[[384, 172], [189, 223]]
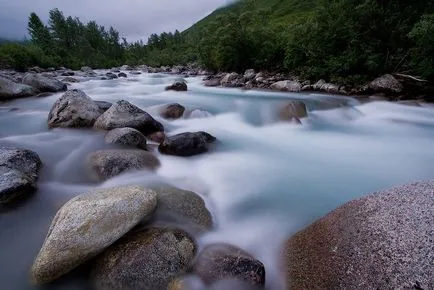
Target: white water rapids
[[264, 181]]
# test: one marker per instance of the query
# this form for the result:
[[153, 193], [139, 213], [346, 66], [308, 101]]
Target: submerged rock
[[144, 259], [183, 207], [88, 224], [286, 86], [386, 84], [124, 114], [73, 110], [127, 137], [381, 241], [222, 261], [293, 111], [186, 144], [173, 111], [178, 86], [109, 163], [12, 90], [44, 84]]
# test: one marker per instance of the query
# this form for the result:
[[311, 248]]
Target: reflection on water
[[264, 181]]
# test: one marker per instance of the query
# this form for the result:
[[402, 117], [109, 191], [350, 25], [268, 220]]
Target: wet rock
[[173, 111], [386, 84], [157, 137], [126, 67], [106, 164], [183, 207], [229, 79], [14, 185], [381, 241], [67, 74], [104, 106], [70, 80], [135, 73], [73, 110], [222, 261], [122, 75], [88, 224], [178, 86], [12, 90], [35, 69], [286, 86], [214, 82], [293, 111], [124, 114], [144, 259], [127, 137], [43, 84], [307, 88], [19, 171], [86, 69], [249, 74], [111, 76], [186, 144]]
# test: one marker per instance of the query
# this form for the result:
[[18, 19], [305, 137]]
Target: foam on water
[[264, 180]]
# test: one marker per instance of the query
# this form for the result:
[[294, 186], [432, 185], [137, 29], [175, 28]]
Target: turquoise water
[[264, 181]]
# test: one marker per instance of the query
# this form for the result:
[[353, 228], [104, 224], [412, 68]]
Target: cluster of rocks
[[117, 233], [386, 84], [129, 126]]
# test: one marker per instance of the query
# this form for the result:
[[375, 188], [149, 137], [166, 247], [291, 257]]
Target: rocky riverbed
[[134, 179]]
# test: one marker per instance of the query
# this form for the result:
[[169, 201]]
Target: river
[[264, 180]]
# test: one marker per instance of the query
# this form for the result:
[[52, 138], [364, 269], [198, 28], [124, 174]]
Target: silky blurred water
[[263, 182]]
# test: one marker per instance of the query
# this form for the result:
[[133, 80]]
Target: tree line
[[338, 40]]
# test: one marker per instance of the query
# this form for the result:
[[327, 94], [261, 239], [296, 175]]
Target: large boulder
[[222, 262], [73, 110], [186, 144], [178, 86], [381, 241], [124, 114], [106, 164], [286, 86], [183, 207], [172, 111], [386, 84], [293, 111], [88, 224], [11, 90], [144, 259], [44, 84], [126, 137]]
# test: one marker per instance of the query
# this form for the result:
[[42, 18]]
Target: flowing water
[[263, 182]]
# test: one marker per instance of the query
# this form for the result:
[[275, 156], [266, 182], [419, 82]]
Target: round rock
[[126, 137], [183, 207], [124, 114], [222, 262], [186, 144], [178, 86], [381, 241], [43, 83], [106, 164], [173, 111], [11, 90], [73, 109], [88, 224], [144, 259]]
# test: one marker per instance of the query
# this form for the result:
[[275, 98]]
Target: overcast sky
[[135, 19]]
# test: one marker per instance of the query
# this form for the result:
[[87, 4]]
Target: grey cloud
[[135, 19]]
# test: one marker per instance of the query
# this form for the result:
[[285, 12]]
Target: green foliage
[[422, 54]]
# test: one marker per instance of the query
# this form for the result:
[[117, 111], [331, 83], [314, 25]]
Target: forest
[[345, 41]]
